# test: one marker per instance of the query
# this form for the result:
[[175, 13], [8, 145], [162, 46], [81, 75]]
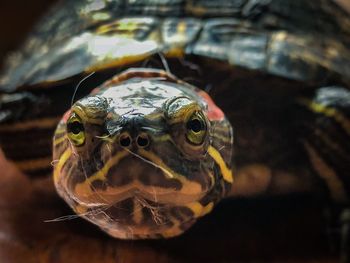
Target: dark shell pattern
[[274, 36]]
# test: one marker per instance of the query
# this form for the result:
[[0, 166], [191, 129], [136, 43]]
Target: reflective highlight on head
[[141, 158]]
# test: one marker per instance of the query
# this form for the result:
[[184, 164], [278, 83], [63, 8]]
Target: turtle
[[147, 112]]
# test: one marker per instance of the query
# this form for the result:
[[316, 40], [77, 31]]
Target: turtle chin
[[139, 218], [137, 201]]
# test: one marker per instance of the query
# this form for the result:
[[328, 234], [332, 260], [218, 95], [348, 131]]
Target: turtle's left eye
[[196, 128], [75, 130]]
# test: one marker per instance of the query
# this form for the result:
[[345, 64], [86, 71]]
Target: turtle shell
[[299, 40]]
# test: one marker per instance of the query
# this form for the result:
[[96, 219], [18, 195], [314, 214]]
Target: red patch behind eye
[[95, 91], [214, 112], [66, 116]]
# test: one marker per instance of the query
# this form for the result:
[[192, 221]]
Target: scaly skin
[[144, 156]]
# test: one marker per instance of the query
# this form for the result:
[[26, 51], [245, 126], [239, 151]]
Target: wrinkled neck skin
[[144, 156]]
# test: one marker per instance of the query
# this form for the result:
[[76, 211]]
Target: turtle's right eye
[[75, 130]]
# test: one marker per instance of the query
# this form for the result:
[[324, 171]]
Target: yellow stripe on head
[[225, 171], [59, 140], [63, 159], [101, 174], [188, 186], [199, 210], [83, 115], [62, 129]]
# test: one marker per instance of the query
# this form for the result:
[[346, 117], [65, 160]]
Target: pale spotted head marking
[[144, 155]]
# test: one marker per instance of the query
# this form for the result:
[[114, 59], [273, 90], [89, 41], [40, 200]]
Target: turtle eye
[[196, 128], [75, 130]]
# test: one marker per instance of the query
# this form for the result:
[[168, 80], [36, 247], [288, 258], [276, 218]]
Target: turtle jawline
[[170, 199]]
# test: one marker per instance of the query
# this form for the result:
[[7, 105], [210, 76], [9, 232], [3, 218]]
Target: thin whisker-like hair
[[54, 162], [64, 218], [77, 87], [151, 163], [75, 216], [157, 217], [92, 187], [221, 148], [164, 62]]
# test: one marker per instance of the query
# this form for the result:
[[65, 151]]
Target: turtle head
[[143, 156]]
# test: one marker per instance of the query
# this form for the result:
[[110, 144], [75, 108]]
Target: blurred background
[[16, 20], [18, 17]]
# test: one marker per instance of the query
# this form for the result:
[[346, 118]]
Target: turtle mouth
[[138, 212], [153, 194], [135, 178], [137, 217]]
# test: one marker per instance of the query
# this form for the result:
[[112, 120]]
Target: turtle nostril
[[142, 140], [124, 140]]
